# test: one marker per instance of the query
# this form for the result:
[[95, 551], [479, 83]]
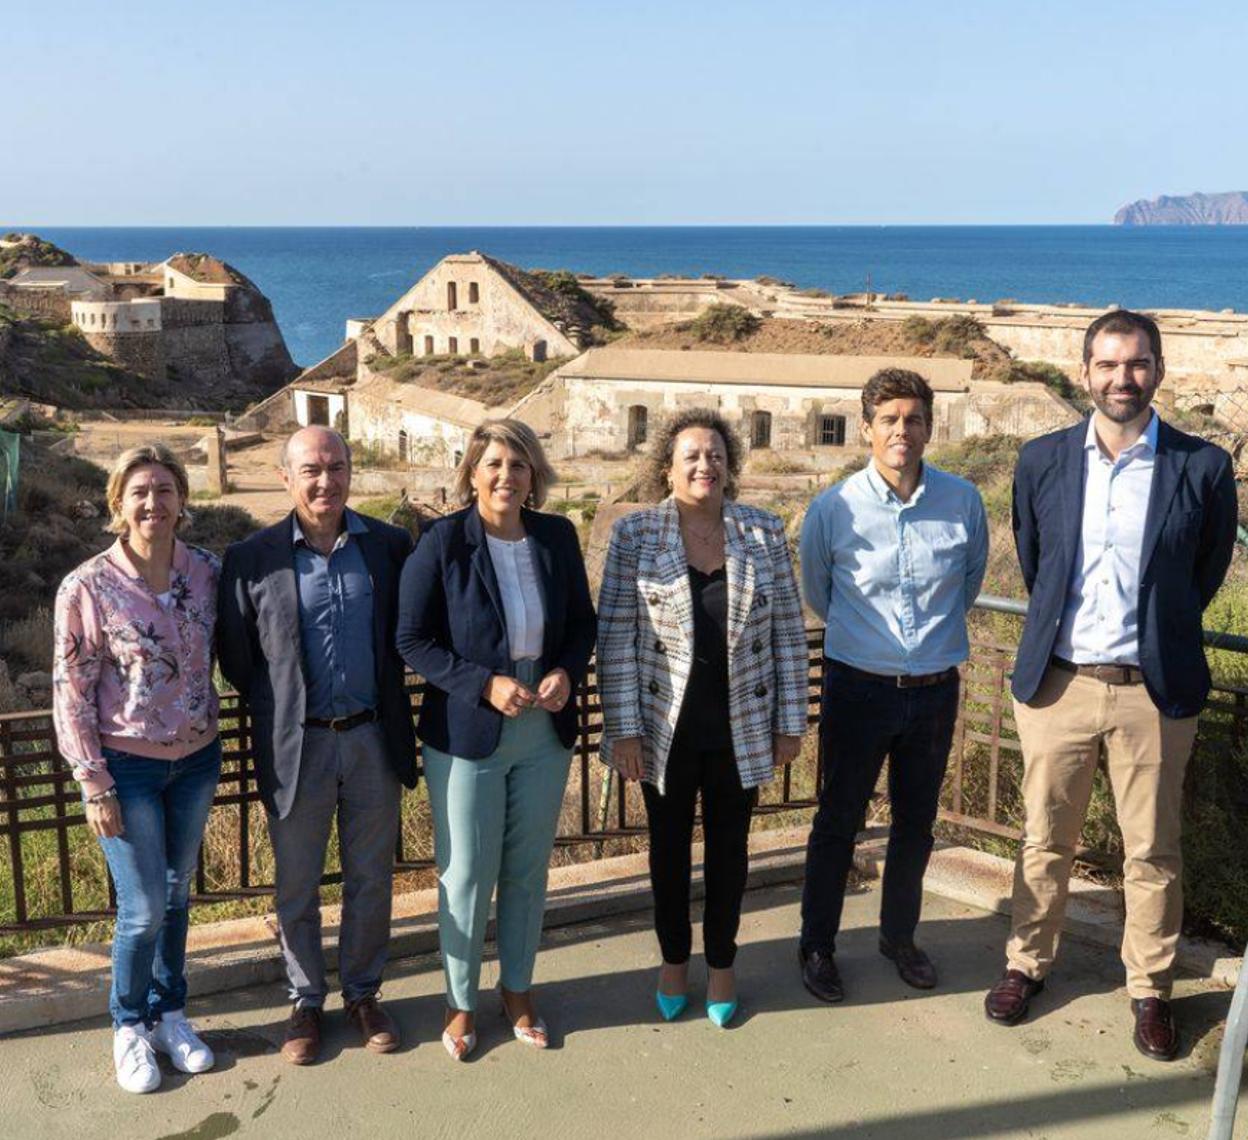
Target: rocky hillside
[[1229, 209], [50, 363], [26, 251]]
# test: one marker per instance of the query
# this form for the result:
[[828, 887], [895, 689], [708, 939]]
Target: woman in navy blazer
[[495, 614]]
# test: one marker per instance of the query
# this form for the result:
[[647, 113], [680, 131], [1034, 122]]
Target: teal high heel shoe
[[671, 1006], [721, 1012]]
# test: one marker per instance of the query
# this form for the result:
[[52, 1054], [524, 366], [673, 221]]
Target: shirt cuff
[[93, 782]]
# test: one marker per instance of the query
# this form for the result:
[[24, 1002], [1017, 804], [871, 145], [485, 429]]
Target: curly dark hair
[[653, 485]]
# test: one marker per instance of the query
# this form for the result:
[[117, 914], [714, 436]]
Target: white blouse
[[522, 595]]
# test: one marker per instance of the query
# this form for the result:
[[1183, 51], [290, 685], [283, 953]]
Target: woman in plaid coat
[[702, 670]]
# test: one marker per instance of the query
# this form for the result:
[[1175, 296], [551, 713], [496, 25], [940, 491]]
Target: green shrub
[[1052, 377], [724, 324]]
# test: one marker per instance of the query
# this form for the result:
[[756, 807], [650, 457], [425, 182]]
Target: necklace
[[706, 536]]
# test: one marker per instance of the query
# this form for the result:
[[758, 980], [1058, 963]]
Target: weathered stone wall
[[499, 318], [430, 442], [197, 354], [139, 352], [594, 415], [43, 304]]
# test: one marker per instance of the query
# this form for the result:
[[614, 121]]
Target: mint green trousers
[[494, 823]]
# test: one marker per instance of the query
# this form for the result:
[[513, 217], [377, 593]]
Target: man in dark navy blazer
[[1124, 527], [305, 632]]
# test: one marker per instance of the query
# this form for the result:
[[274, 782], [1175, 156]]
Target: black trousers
[[862, 722], [726, 811]]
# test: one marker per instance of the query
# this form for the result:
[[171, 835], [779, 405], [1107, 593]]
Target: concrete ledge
[[64, 985]]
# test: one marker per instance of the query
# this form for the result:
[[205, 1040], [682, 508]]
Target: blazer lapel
[[483, 567], [673, 567], [1073, 476], [374, 560], [1168, 467], [740, 577], [285, 589]]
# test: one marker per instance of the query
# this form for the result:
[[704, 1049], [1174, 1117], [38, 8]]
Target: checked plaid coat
[[645, 637]]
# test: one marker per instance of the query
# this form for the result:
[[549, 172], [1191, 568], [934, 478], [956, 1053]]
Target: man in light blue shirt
[[892, 557]]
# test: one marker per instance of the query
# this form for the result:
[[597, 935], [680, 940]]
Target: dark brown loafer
[[914, 967], [376, 1027], [1006, 1003], [302, 1042], [1156, 1035], [820, 975]]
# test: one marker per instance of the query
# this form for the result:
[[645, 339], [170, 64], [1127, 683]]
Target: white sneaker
[[174, 1036], [135, 1060]]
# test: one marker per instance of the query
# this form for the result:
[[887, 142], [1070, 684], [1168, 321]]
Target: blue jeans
[[862, 721], [164, 808]]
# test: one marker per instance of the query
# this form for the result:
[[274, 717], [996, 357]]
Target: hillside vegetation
[[53, 364]]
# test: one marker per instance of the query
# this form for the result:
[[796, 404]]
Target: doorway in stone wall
[[403, 334], [760, 429], [318, 411]]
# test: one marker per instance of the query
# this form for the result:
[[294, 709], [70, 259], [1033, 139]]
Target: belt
[[902, 680], [1106, 674], [342, 723]]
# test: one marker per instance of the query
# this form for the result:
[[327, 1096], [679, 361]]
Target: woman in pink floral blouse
[[136, 716]]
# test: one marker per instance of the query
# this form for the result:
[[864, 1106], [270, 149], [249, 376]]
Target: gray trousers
[[343, 774]]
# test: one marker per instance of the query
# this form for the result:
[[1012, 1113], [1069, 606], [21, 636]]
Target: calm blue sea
[[317, 277]]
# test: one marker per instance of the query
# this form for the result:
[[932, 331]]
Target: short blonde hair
[[127, 461], [518, 437]]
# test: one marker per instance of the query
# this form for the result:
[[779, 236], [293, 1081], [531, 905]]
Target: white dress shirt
[[1100, 624], [522, 596]]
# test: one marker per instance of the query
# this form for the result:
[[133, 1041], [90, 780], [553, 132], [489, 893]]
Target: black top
[[704, 710]]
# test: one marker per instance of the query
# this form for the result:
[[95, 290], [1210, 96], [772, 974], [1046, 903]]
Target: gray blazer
[[261, 654], [645, 637]]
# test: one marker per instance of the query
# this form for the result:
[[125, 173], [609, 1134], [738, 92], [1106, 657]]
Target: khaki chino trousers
[[1062, 730]]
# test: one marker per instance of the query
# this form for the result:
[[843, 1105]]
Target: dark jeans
[[164, 808], [863, 721], [726, 810]]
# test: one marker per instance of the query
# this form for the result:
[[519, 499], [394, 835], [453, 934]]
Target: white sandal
[[536, 1036], [460, 1048]]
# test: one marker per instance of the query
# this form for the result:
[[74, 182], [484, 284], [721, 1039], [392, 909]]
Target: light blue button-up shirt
[[895, 580], [336, 623], [1101, 620]]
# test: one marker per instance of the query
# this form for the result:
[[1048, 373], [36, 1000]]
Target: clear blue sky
[[274, 112]]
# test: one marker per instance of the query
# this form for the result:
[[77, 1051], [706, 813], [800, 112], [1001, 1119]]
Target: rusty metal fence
[[48, 860]]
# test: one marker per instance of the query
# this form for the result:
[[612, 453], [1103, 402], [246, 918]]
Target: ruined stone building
[[471, 304], [192, 319], [608, 399]]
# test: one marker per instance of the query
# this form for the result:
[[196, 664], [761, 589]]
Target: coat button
[[654, 687], [760, 690], [659, 647], [762, 599], [653, 599], [758, 647]]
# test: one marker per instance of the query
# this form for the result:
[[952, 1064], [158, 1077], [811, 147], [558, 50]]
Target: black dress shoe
[[820, 975], [1007, 1001], [1156, 1035], [914, 967]]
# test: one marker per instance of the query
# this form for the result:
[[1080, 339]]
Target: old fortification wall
[[43, 304], [139, 352]]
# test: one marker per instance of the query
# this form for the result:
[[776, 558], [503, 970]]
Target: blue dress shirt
[[1101, 619], [336, 623], [895, 579]]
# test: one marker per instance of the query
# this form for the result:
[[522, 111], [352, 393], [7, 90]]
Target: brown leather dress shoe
[[914, 967], [1007, 1001], [1156, 1035], [302, 1042], [377, 1028]]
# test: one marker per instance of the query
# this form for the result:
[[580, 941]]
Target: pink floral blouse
[[129, 671]]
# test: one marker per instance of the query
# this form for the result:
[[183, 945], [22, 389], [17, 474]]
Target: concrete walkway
[[889, 1063]]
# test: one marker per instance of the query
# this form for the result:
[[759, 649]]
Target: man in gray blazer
[[305, 633]]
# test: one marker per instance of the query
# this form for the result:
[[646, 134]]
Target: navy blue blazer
[[1189, 535], [453, 632], [260, 650]]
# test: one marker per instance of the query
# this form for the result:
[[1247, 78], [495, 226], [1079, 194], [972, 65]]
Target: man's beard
[[1120, 412]]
